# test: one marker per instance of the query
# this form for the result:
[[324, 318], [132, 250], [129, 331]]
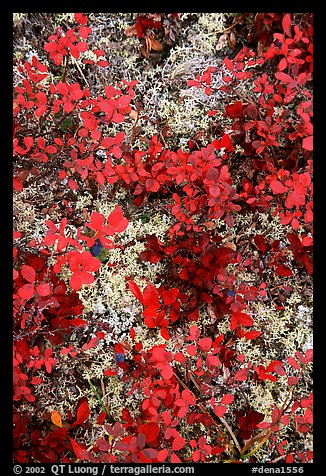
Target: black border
[[7, 214]]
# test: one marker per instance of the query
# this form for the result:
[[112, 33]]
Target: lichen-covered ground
[[176, 113]]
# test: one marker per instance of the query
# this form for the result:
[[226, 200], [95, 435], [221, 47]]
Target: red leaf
[[84, 31], [252, 335], [227, 399], [81, 453], [167, 372], [308, 356], [63, 89], [249, 422], [159, 354], [76, 322], [43, 289], [307, 241], [194, 333], [205, 343], [195, 456], [180, 357], [307, 143], [117, 222], [26, 291], [149, 313], [100, 177], [178, 443], [99, 52], [218, 449], [282, 64], [192, 82], [151, 256], [83, 413], [286, 24], [234, 110], [28, 141], [219, 410], [228, 63], [278, 187], [243, 318], [162, 455], [17, 184], [293, 363], [260, 243], [28, 273], [72, 184], [283, 77], [276, 366], [102, 444], [188, 397], [82, 46], [152, 185], [292, 381], [191, 350], [165, 334], [80, 18], [212, 361], [110, 372], [295, 198], [241, 375], [214, 191], [283, 270], [135, 291], [151, 297], [174, 458], [169, 295], [223, 256], [150, 430]]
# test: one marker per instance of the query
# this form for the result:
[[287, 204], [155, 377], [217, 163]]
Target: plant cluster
[[190, 388]]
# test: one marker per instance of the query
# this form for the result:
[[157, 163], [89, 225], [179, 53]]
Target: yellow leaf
[[56, 418]]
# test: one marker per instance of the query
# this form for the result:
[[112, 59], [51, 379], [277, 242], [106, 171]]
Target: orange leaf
[[56, 418], [156, 45]]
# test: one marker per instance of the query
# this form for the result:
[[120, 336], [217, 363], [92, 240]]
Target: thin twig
[[225, 423], [80, 70], [262, 436], [203, 409]]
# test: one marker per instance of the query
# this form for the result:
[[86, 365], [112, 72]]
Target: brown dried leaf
[[222, 42], [209, 224], [231, 246], [232, 39], [133, 114], [226, 373], [125, 344], [156, 45], [131, 31], [144, 51], [260, 48], [211, 313], [23, 174]]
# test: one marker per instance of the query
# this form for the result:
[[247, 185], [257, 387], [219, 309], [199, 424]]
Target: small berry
[[96, 248], [230, 293], [120, 358]]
